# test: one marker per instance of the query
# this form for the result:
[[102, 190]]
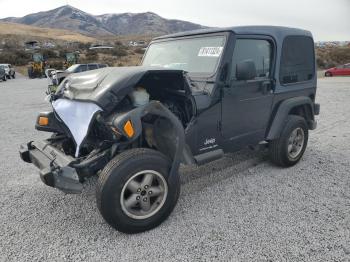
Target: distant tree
[[91, 56], [139, 51]]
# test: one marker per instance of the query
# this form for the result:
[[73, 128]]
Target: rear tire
[[13, 76], [4, 78], [288, 149], [123, 190]]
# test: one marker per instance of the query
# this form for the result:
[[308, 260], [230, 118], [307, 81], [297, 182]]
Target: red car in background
[[342, 70]]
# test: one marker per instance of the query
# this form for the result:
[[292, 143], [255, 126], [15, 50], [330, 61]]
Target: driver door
[[246, 104]]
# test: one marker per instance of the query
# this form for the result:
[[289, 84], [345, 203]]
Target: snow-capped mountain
[[71, 18]]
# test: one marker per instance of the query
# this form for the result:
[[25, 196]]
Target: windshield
[[195, 55], [72, 68]]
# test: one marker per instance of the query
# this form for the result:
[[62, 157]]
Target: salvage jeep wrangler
[[196, 96]]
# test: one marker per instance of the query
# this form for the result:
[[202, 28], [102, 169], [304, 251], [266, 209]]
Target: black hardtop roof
[[274, 31]]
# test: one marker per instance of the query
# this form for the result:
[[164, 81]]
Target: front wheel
[[328, 74], [288, 149], [134, 192]]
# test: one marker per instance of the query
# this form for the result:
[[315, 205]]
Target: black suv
[[196, 96]]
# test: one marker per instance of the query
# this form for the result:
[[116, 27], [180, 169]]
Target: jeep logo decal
[[209, 141]]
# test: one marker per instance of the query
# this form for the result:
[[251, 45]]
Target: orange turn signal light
[[128, 129], [43, 121]]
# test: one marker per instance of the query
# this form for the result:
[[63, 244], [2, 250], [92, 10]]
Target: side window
[[347, 66], [83, 68], [257, 50], [297, 60], [92, 66]]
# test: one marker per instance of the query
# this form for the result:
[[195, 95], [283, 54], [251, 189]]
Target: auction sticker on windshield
[[214, 51]]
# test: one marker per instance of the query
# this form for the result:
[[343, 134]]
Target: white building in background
[[99, 46], [137, 43], [49, 45]]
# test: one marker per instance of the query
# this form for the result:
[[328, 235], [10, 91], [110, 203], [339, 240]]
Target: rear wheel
[[14, 76], [134, 192], [4, 78], [288, 149]]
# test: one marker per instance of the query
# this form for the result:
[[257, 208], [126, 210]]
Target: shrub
[[49, 54], [119, 51], [56, 65], [17, 57], [92, 56], [139, 51], [332, 56]]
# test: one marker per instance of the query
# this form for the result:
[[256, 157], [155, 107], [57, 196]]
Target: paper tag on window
[[214, 51]]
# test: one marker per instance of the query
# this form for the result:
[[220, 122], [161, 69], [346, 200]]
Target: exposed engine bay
[[167, 88]]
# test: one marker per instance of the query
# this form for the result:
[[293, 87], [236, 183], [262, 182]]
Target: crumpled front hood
[[105, 86]]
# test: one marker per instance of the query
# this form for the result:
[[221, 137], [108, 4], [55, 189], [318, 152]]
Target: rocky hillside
[[73, 19]]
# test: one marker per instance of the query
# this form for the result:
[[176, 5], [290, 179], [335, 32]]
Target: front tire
[[288, 149], [328, 74], [134, 192]]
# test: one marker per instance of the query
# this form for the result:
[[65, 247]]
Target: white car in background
[[9, 70]]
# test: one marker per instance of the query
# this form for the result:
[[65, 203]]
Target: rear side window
[[93, 67], [297, 60], [102, 65]]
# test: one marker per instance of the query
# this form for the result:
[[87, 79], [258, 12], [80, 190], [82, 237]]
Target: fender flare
[[181, 152], [283, 111]]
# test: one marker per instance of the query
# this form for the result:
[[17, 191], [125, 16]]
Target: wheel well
[[300, 106], [304, 111], [161, 135]]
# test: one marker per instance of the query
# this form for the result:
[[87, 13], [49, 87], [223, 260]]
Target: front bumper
[[54, 166]]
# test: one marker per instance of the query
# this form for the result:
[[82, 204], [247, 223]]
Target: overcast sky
[[327, 19]]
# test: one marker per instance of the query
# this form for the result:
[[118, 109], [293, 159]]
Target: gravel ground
[[239, 208]]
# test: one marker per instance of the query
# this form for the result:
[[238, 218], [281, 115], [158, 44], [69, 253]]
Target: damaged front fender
[[168, 133]]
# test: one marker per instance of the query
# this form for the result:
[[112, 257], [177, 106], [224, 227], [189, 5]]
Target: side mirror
[[245, 70]]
